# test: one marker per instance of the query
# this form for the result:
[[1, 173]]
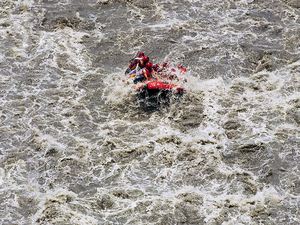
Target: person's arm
[[147, 74]]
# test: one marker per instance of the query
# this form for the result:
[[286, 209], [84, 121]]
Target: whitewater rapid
[[77, 148]]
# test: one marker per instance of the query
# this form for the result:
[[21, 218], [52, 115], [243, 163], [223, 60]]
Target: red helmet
[[140, 54], [145, 59], [149, 65]]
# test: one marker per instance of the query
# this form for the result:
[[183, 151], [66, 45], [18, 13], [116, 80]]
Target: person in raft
[[145, 74], [137, 63]]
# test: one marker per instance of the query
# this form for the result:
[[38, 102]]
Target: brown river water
[[76, 147]]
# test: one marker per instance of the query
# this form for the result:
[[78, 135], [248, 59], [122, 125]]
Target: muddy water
[[76, 148]]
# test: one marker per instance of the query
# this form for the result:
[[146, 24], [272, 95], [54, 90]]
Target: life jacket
[[141, 66]]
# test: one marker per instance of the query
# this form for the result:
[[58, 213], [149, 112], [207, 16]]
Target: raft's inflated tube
[[158, 85]]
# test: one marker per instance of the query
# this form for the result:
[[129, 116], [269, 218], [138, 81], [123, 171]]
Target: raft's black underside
[[156, 98]]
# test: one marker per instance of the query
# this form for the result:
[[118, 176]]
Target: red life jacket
[[136, 62], [141, 65]]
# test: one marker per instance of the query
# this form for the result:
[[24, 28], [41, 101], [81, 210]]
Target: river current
[[77, 148]]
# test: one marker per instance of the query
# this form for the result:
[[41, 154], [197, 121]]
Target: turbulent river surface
[[77, 148]]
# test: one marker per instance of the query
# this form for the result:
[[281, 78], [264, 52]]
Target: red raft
[[163, 86], [157, 86]]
